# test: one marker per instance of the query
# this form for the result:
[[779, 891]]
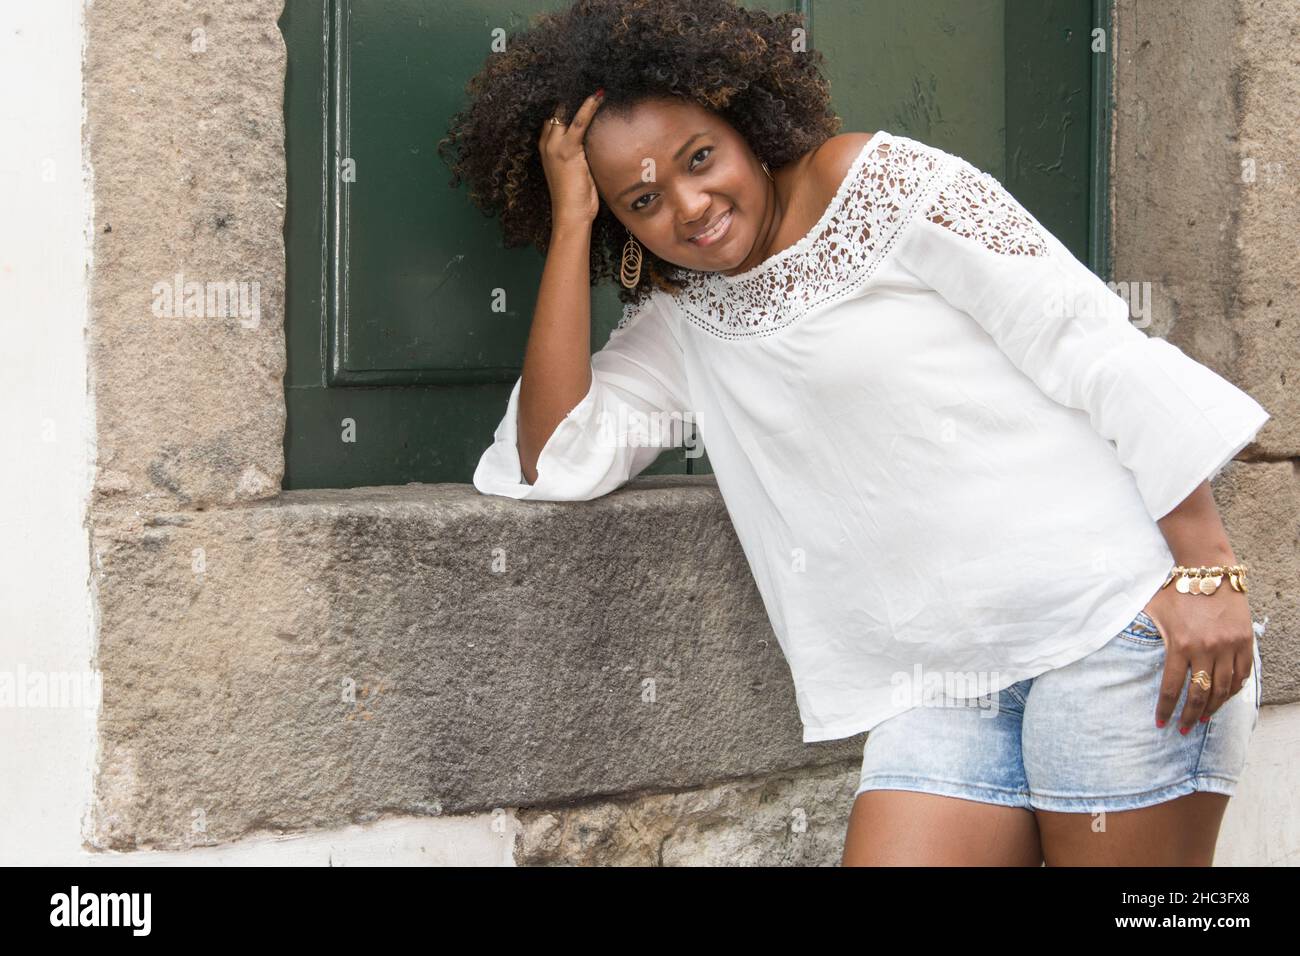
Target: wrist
[[1206, 554], [569, 230]]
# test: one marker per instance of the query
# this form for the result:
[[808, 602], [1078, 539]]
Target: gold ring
[[1202, 680], [555, 122]]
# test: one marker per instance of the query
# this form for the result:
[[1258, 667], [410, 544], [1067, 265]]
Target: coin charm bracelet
[[1205, 580]]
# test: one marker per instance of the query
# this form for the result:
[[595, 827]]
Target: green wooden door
[[406, 319]]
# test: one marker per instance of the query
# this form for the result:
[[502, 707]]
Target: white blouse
[[941, 441]]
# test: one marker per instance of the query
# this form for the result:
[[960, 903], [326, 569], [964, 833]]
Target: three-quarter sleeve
[[1173, 422], [637, 405]]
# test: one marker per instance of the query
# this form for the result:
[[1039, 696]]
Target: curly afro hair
[[742, 64]]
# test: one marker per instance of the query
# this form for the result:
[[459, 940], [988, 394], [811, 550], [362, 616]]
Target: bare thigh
[[911, 828], [1178, 832]]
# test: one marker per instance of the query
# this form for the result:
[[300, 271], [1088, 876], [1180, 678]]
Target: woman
[[966, 485]]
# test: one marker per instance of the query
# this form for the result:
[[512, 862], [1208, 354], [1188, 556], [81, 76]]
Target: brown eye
[[636, 205]]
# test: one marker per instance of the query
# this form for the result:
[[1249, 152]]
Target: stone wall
[[1205, 205]]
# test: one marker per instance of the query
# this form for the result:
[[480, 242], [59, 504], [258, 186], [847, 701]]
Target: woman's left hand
[[1210, 632]]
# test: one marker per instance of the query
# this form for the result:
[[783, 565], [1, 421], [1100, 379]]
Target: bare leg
[[911, 828], [1178, 832]]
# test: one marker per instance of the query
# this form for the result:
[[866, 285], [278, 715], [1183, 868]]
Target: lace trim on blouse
[[888, 182], [977, 207]]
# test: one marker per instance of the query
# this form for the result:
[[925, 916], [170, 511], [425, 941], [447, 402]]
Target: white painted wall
[[45, 607], [46, 610]]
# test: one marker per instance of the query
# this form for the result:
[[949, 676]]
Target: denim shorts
[[1078, 738]]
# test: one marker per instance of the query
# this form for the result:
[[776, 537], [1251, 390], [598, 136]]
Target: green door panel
[[406, 319], [426, 295]]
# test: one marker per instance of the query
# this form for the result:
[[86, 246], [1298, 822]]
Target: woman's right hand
[[574, 199]]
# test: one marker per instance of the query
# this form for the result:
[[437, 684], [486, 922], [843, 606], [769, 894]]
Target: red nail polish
[[1183, 730], [600, 93], [1204, 719], [1159, 722]]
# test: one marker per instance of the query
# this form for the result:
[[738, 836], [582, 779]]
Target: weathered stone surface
[[780, 820], [1260, 507], [1266, 299], [1218, 250], [185, 136], [491, 667]]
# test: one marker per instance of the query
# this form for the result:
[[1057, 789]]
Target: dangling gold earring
[[768, 171], [631, 272]]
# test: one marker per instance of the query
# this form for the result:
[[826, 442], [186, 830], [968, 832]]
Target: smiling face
[[685, 184]]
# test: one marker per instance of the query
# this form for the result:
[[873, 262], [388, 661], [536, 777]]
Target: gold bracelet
[[1205, 580]]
